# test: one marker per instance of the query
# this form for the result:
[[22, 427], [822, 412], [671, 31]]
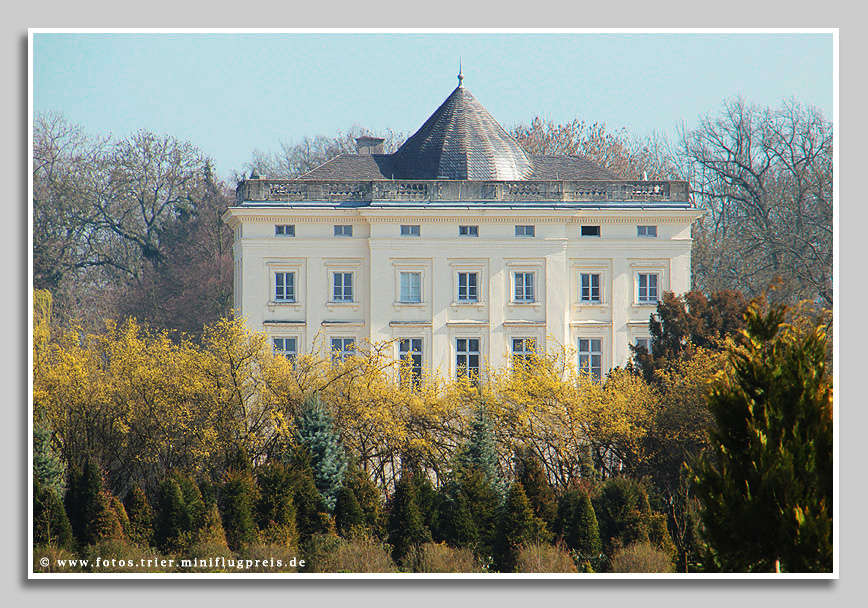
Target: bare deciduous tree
[[765, 177]]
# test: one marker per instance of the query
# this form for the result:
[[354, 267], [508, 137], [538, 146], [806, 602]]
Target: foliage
[[623, 513], [50, 523], [329, 553], [274, 509], [766, 487], [237, 498], [405, 525], [48, 468], [576, 525], [641, 557], [180, 514], [516, 525], [542, 557], [536, 487], [85, 498], [441, 558], [349, 519], [327, 457], [141, 517]]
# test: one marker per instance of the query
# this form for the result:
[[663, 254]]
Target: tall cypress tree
[[349, 518], [141, 516], [481, 451], [405, 526], [576, 523], [275, 510], [237, 498], [536, 486], [623, 513], [766, 488], [315, 430], [82, 500], [517, 525]]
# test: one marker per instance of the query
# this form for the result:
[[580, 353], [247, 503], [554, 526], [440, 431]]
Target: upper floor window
[[644, 343], [343, 348], [590, 287], [284, 287], [343, 230], [288, 347], [525, 231], [411, 230], [342, 287], [590, 231], [467, 357], [646, 230], [468, 231], [524, 287], [410, 352], [468, 290], [411, 287], [648, 288], [591, 356], [284, 230]]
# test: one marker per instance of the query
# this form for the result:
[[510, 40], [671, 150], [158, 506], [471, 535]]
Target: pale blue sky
[[231, 93]]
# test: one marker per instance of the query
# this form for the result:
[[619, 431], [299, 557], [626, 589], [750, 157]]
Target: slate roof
[[460, 141]]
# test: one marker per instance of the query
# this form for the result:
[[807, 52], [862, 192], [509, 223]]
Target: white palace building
[[461, 247]]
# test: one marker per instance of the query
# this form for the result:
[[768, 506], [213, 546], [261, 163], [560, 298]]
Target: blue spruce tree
[[328, 461]]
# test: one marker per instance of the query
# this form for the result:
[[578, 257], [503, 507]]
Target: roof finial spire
[[460, 75]]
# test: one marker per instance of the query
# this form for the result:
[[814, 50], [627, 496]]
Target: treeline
[[534, 468]]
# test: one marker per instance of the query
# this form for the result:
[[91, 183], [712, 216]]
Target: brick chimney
[[367, 145]]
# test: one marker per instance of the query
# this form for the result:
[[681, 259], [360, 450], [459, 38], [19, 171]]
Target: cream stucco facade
[[549, 304]]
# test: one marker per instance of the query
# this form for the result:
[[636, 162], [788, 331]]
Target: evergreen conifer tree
[[50, 523], [427, 498], [766, 488], [180, 513], [310, 512], [141, 517], [481, 452], [105, 525], [576, 523], [623, 513], [237, 498], [275, 510], [349, 518], [82, 500], [456, 524], [370, 500], [47, 465], [405, 526], [536, 486], [517, 525], [483, 502], [315, 430]]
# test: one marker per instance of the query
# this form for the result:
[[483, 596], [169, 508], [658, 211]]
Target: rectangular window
[[644, 343], [647, 287], [525, 231], [342, 287], [288, 347], [591, 357], [524, 287], [284, 287], [343, 230], [646, 230], [413, 230], [467, 357], [284, 230], [410, 351], [522, 348], [468, 231], [590, 231], [411, 287], [468, 290], [590, 287], [343, 348]]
